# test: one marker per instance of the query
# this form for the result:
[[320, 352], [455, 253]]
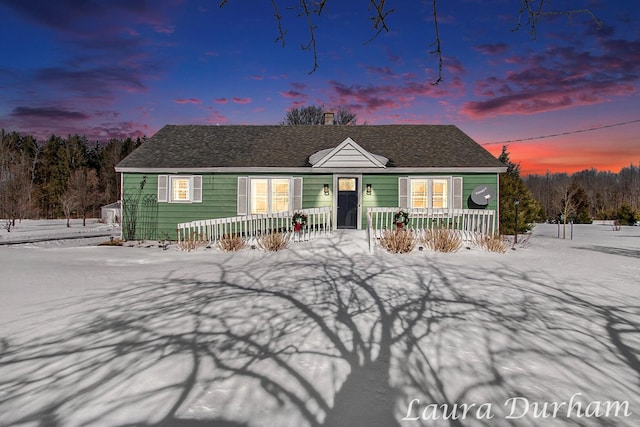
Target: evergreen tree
[[581, 207], [512, 190], [626, 215], [59, 159]]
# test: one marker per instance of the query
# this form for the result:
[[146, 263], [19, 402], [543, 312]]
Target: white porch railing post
[[251, 226], [470, 223]]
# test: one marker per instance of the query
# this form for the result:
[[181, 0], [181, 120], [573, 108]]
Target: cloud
[[47, 113], [292, 94], [103, 51], [237, 100], [393, 58], [256, 77], [75, 16], [492, 49], [91, 82], [560, 78], [216, 118], [42, 122], [187, 101], [380, 71], [221, 101], [164, 29], [371, 98]]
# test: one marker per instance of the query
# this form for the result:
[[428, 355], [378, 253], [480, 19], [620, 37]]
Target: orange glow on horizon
[[571, 154]]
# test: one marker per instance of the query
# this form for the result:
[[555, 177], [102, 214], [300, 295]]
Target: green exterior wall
[[219, 193], [384, 191], [218, 201], [313, 191]]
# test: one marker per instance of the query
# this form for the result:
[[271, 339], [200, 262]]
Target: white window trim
[[270, 196], [449, 180], [192, 179]]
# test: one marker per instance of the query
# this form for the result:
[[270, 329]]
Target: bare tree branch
[[534, 10], [437, 43], [312, 46], [281, 31], [379, 20], [530, 10]]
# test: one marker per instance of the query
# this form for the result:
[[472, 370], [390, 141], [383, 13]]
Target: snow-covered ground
[[55, 229], [323, 333]]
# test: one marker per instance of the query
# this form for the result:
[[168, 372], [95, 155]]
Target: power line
[[563, 133]]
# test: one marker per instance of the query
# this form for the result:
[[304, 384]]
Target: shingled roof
[[177, 147]]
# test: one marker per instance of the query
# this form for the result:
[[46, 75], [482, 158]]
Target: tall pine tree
[[512, 189]]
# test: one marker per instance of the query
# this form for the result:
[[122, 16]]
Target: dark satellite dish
[[482, 195]]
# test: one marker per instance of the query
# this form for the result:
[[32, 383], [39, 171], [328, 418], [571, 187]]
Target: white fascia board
[[308, 169], [367, 155]]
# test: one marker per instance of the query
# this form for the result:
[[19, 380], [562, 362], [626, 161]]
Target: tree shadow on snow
[[332, 340], [632, 253]]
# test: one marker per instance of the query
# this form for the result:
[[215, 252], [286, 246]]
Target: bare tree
[[81, 195], [604, 191], [315, 115], [15, 179], [529, 15], [14, 193], [566, 204], [68, 203]]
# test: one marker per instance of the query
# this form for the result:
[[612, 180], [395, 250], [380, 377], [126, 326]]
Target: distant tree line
[[58, 177], [61, 178], [588, 195]]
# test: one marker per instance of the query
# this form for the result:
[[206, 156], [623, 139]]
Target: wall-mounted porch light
[[368, 191], [326, 189]]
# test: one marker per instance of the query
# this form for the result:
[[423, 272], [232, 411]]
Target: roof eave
[[310, 170]]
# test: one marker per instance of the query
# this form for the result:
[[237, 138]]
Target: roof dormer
[[348, 154]]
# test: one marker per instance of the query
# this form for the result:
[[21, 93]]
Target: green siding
[[471, 181], [218, 201], [384, 192], [219, 193], [313, 191]]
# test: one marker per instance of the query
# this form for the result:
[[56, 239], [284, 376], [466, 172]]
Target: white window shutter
[[243, 195], [403, 192], [457, 192], [297, 194], [163, 188], [197, 189]]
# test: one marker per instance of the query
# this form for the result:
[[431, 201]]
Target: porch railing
[[252, 226], [472, 223]]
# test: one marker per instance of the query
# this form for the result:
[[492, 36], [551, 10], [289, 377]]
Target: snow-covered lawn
[[49, 230], [323, 333]]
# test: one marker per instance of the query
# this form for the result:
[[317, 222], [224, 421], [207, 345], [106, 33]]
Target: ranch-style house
[[186, 174]]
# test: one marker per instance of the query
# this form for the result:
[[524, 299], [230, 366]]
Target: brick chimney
[[328, 118]]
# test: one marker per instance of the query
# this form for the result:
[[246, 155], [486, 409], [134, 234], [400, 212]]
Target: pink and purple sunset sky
[[120, 68]]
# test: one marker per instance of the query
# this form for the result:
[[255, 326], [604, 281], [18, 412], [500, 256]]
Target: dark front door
[[347, 203]]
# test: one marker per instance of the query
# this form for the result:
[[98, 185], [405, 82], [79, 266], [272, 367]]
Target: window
[[260, 195], [429, 193], [269, 195], [347, 184], [440, 193], [180, 188]]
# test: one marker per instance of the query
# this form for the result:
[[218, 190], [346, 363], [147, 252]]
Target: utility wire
[[563, 133]]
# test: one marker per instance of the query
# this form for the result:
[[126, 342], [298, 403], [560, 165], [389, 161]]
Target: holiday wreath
[[400, 217], [299, 220]]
